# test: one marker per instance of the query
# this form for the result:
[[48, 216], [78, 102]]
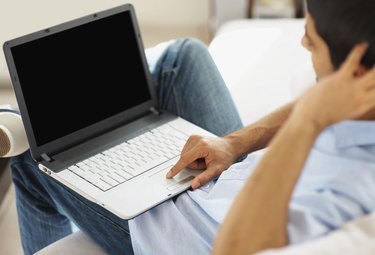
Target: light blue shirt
[[336, 185]]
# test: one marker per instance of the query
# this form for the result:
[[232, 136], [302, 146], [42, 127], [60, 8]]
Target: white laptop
[[91, 114]]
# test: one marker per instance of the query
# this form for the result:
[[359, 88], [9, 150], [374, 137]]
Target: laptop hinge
[[155, 111], [46, 157]]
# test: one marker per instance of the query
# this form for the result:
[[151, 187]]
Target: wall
[[159, 19], [225, 10]]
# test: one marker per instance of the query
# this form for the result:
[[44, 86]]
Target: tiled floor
[[9, 235]]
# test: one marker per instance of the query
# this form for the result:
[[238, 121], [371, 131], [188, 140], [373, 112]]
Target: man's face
[[318, 48]]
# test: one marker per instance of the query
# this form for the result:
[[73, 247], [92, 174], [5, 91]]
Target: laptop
[[91, 114]]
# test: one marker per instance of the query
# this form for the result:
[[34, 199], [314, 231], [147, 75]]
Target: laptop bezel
[[39, 152]]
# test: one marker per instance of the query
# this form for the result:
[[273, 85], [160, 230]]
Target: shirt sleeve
[[315, 213], [355, 237]]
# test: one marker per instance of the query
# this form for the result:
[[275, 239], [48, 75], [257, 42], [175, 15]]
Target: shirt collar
[[354, 133]]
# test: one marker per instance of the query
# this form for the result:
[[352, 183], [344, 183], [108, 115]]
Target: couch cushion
[[262, 62], [77, 244]]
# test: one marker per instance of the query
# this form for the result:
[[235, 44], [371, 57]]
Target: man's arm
[[258, 217], [258, 135], [260, 213], [215, 155]]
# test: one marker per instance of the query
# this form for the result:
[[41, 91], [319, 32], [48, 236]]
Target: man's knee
[[23, 158], [21, 165], [189, 47]]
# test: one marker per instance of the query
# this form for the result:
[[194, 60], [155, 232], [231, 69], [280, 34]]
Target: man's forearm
[[257, 136], [259, 215]]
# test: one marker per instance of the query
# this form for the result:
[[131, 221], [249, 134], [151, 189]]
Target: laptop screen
[[76, 77]]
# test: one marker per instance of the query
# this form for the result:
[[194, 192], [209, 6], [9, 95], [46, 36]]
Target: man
[[249, 197]]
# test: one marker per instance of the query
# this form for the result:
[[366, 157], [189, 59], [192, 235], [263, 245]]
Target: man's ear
[[361, 70]]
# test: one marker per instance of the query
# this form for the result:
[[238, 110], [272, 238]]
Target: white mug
[[13, 140]]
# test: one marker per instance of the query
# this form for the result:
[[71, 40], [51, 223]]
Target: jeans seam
[[177, 101]]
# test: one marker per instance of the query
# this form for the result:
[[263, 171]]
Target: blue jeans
[[187, 84]]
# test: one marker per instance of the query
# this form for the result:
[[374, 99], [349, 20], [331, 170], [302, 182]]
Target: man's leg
[[45, 209], [189, 85]]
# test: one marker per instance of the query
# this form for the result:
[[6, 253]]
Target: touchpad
[[186, 175]]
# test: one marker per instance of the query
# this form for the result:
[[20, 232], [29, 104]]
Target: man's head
[[334, 27]]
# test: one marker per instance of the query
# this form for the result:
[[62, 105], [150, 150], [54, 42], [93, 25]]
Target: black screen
[[77, 77]]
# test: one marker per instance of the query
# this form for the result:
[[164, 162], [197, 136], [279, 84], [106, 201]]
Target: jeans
[[188, 84]]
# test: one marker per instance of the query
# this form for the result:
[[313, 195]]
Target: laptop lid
[[80, 79]]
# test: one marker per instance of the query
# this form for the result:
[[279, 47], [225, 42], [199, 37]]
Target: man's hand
[[214, 154], [341, 96]]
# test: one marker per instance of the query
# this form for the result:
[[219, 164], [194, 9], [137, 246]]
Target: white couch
[[262, 62]]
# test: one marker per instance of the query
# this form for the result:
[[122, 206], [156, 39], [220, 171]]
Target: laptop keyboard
[[131, 158]]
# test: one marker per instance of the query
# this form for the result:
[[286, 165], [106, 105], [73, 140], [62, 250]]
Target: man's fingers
[[198, 164], [368, 80], [185, 159], [181, 164], [203, 178], [371, 98], [354, 59]]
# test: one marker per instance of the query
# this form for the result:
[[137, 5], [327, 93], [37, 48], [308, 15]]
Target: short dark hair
[[344, 23]]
